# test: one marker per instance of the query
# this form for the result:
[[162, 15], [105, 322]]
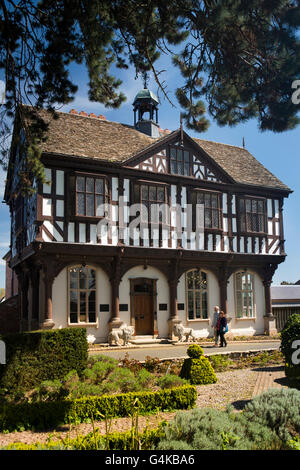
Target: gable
[[157, 163], [180, 158]]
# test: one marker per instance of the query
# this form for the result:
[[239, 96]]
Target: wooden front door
[[143, 307]]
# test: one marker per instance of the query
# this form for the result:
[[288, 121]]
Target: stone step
[[147, 340]]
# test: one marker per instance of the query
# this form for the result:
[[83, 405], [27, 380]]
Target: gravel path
[[233, 387]]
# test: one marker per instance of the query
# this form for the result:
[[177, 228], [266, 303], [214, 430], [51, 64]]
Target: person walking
[[223, 328], [215, 323]]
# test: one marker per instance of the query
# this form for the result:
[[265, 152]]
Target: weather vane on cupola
[[146, 79]]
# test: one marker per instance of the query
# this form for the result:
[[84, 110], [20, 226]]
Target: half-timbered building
[[87, 253]]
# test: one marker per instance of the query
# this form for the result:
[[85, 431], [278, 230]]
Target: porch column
[[223, 279], [35, 289], [48, 283], [269, 319], [173, 282], [115, 279]]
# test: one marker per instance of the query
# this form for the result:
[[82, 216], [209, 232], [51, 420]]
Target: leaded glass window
[[252, 215], [179, 161], [244, 294], [91, 196], [197, 294], [212, 209], [82, 295]]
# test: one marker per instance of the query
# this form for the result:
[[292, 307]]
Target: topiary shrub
[[197, 368], [289, 334], [195, 351]]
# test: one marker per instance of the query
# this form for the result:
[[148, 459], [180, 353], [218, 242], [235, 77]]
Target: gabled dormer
[[178, 154]]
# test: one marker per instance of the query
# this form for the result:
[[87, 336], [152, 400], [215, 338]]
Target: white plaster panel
[[47, 207], [60, 183]]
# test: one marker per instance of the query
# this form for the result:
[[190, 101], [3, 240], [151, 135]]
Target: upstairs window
[[91, 196], [212, 208], [179, 161], [151, 197], [252, 214]]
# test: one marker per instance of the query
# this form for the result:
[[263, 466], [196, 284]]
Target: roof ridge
[[107, 121], [221, 143]]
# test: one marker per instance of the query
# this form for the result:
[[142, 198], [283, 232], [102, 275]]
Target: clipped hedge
[[289, 334], [43, 415], [42, 355]]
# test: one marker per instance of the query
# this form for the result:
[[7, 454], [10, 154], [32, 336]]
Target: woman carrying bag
[[223, 328]]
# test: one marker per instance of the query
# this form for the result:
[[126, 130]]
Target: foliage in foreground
[[269, 421], [289, 335]]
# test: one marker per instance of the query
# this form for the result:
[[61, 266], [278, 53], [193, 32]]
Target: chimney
[[103, 118], [73, 111], [83, 113]]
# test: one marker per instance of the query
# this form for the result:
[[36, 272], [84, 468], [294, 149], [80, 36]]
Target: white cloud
[[2, 262]]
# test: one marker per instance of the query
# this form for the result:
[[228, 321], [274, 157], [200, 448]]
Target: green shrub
[[36, 356], [220, 362], [277, 409], [289, 334], [94, 359], [210, 429], [170, 381], [48, 390], [145, 378], [195, 351], [82, 389], [43, 415], [99, 371], [197, 368], [124, 380]]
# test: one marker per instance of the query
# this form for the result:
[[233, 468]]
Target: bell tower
[[146, 103]]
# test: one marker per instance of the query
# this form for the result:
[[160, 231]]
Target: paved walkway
[[169, 351], [269, 377]]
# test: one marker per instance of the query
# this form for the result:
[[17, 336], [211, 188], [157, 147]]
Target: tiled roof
[[88, 136], [240, 164], [85, 136]]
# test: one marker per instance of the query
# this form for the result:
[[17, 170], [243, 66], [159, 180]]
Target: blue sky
[[277, 152]]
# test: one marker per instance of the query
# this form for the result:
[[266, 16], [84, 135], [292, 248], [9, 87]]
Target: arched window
[[197, 296], [244, 294], [82, 295]]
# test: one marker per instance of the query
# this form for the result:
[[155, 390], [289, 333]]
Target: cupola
[[145, 105]]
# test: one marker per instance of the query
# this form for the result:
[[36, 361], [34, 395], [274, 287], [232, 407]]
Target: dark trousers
[[222, 338]]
